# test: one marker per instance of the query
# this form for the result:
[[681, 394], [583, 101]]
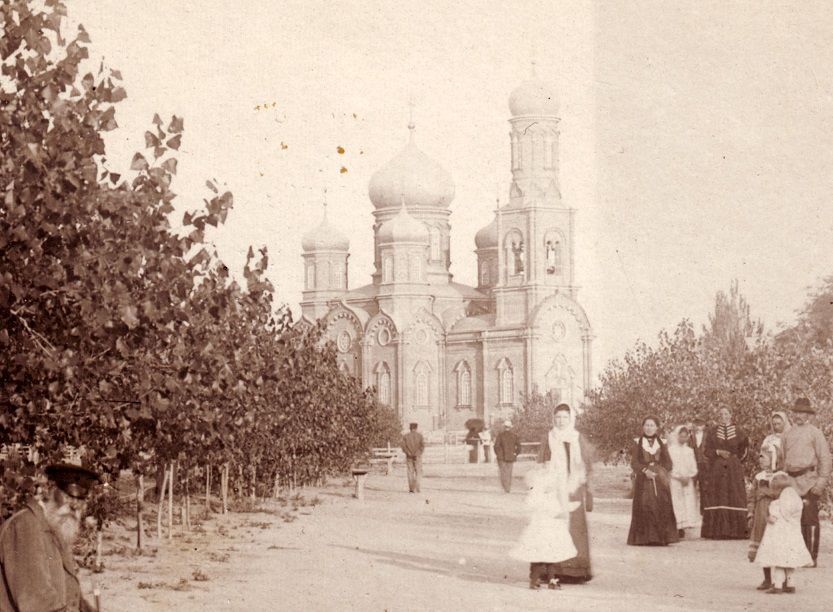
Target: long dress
[[684, 497], [652, 515], [724, 507], [579, 462], [762, 496], [782, 544]]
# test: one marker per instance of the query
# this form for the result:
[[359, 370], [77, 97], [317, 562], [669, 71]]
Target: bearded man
[[36, 563]]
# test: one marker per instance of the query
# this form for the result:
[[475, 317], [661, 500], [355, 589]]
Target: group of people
[[698, 478]]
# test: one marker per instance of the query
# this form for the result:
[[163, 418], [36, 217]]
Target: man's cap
[[74, 480], [802, 404], [413, 425], [507, 423]]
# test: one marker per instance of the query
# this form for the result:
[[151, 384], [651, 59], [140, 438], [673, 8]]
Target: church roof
[[413, 175], [533, 97], [486, 238], [324, 237], [403, 228], [474, 324]]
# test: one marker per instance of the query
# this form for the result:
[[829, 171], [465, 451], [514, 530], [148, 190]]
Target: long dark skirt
[[576, 569], [724, 508], [652, 516]]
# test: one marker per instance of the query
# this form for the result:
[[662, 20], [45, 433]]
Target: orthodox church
[[437, 351]]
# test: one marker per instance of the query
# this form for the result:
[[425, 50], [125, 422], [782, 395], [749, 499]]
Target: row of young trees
[[123, 335], [731, 362]]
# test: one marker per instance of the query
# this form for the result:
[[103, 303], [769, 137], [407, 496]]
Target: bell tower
[[535, 229]]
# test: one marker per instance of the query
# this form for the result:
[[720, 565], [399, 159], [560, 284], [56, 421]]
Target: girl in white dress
[[684, 496], [782, 545]]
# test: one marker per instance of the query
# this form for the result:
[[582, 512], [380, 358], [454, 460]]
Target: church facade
[[437, 351]]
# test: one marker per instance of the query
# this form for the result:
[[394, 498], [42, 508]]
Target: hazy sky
[[695, 135]]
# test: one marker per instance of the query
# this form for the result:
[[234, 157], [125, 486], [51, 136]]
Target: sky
[[695, 136]]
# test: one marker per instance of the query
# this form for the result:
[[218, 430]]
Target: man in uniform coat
[[507, 449], [806, 457], [37, 570]]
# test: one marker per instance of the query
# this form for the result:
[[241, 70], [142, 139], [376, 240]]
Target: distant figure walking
[[725, 507], [782, 548], [652, 516], [507, 449], [486, 441], [807, 459], [413, 445]]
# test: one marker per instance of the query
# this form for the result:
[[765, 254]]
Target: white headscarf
[[558, 455]]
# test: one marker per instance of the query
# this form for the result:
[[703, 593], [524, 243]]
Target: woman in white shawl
[[556, 542], [684, 497]]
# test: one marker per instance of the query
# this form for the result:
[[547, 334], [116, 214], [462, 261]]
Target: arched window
[[436, 245], [387, 269], [484, 274], [463, 384], [506, 382], [553, 248], [338, 276], [422, 384], [416, 267], [383, 383], [311, 276]]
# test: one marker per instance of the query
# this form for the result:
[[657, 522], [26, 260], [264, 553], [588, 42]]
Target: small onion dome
[[325, 237], [411, 173], [533, 97], [486, 238], [403, 228]]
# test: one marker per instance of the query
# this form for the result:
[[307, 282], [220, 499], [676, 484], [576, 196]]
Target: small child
[[762, 495], [782, 546], [546, 539]]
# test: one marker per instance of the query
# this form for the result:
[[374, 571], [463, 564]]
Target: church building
[[441, 352]]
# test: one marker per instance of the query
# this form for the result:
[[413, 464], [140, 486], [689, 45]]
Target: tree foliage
[[122, 334], [732, 363]]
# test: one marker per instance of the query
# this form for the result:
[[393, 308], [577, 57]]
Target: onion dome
[[403, 228], [325, 237], [533, 97], [486, 238], [411, 173]]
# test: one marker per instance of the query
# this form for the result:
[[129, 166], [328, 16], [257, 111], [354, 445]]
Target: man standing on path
[[507, 449], [806, 457], [37, 570], [412, 446]]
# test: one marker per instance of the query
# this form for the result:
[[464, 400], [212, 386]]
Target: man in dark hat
[[507, 449], [806, 457], [36, 563], [412, 446]]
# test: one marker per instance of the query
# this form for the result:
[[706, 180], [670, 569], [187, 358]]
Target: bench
[[529, 451], [384, 456]]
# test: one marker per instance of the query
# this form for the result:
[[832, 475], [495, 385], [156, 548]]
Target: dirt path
[[443, 549]]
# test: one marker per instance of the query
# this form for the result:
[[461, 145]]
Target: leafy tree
[[533, 418]]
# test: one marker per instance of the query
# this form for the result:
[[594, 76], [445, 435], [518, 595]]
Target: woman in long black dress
[[724, 506], [652, 519]]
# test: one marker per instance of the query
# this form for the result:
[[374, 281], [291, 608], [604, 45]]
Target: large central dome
[[411, 173]]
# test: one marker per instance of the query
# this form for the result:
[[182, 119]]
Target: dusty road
[[443, 549]]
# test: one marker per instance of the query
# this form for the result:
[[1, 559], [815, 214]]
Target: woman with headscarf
[[684, 496], [772, 444], [725, 507], [568, 460], [653, 522]]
